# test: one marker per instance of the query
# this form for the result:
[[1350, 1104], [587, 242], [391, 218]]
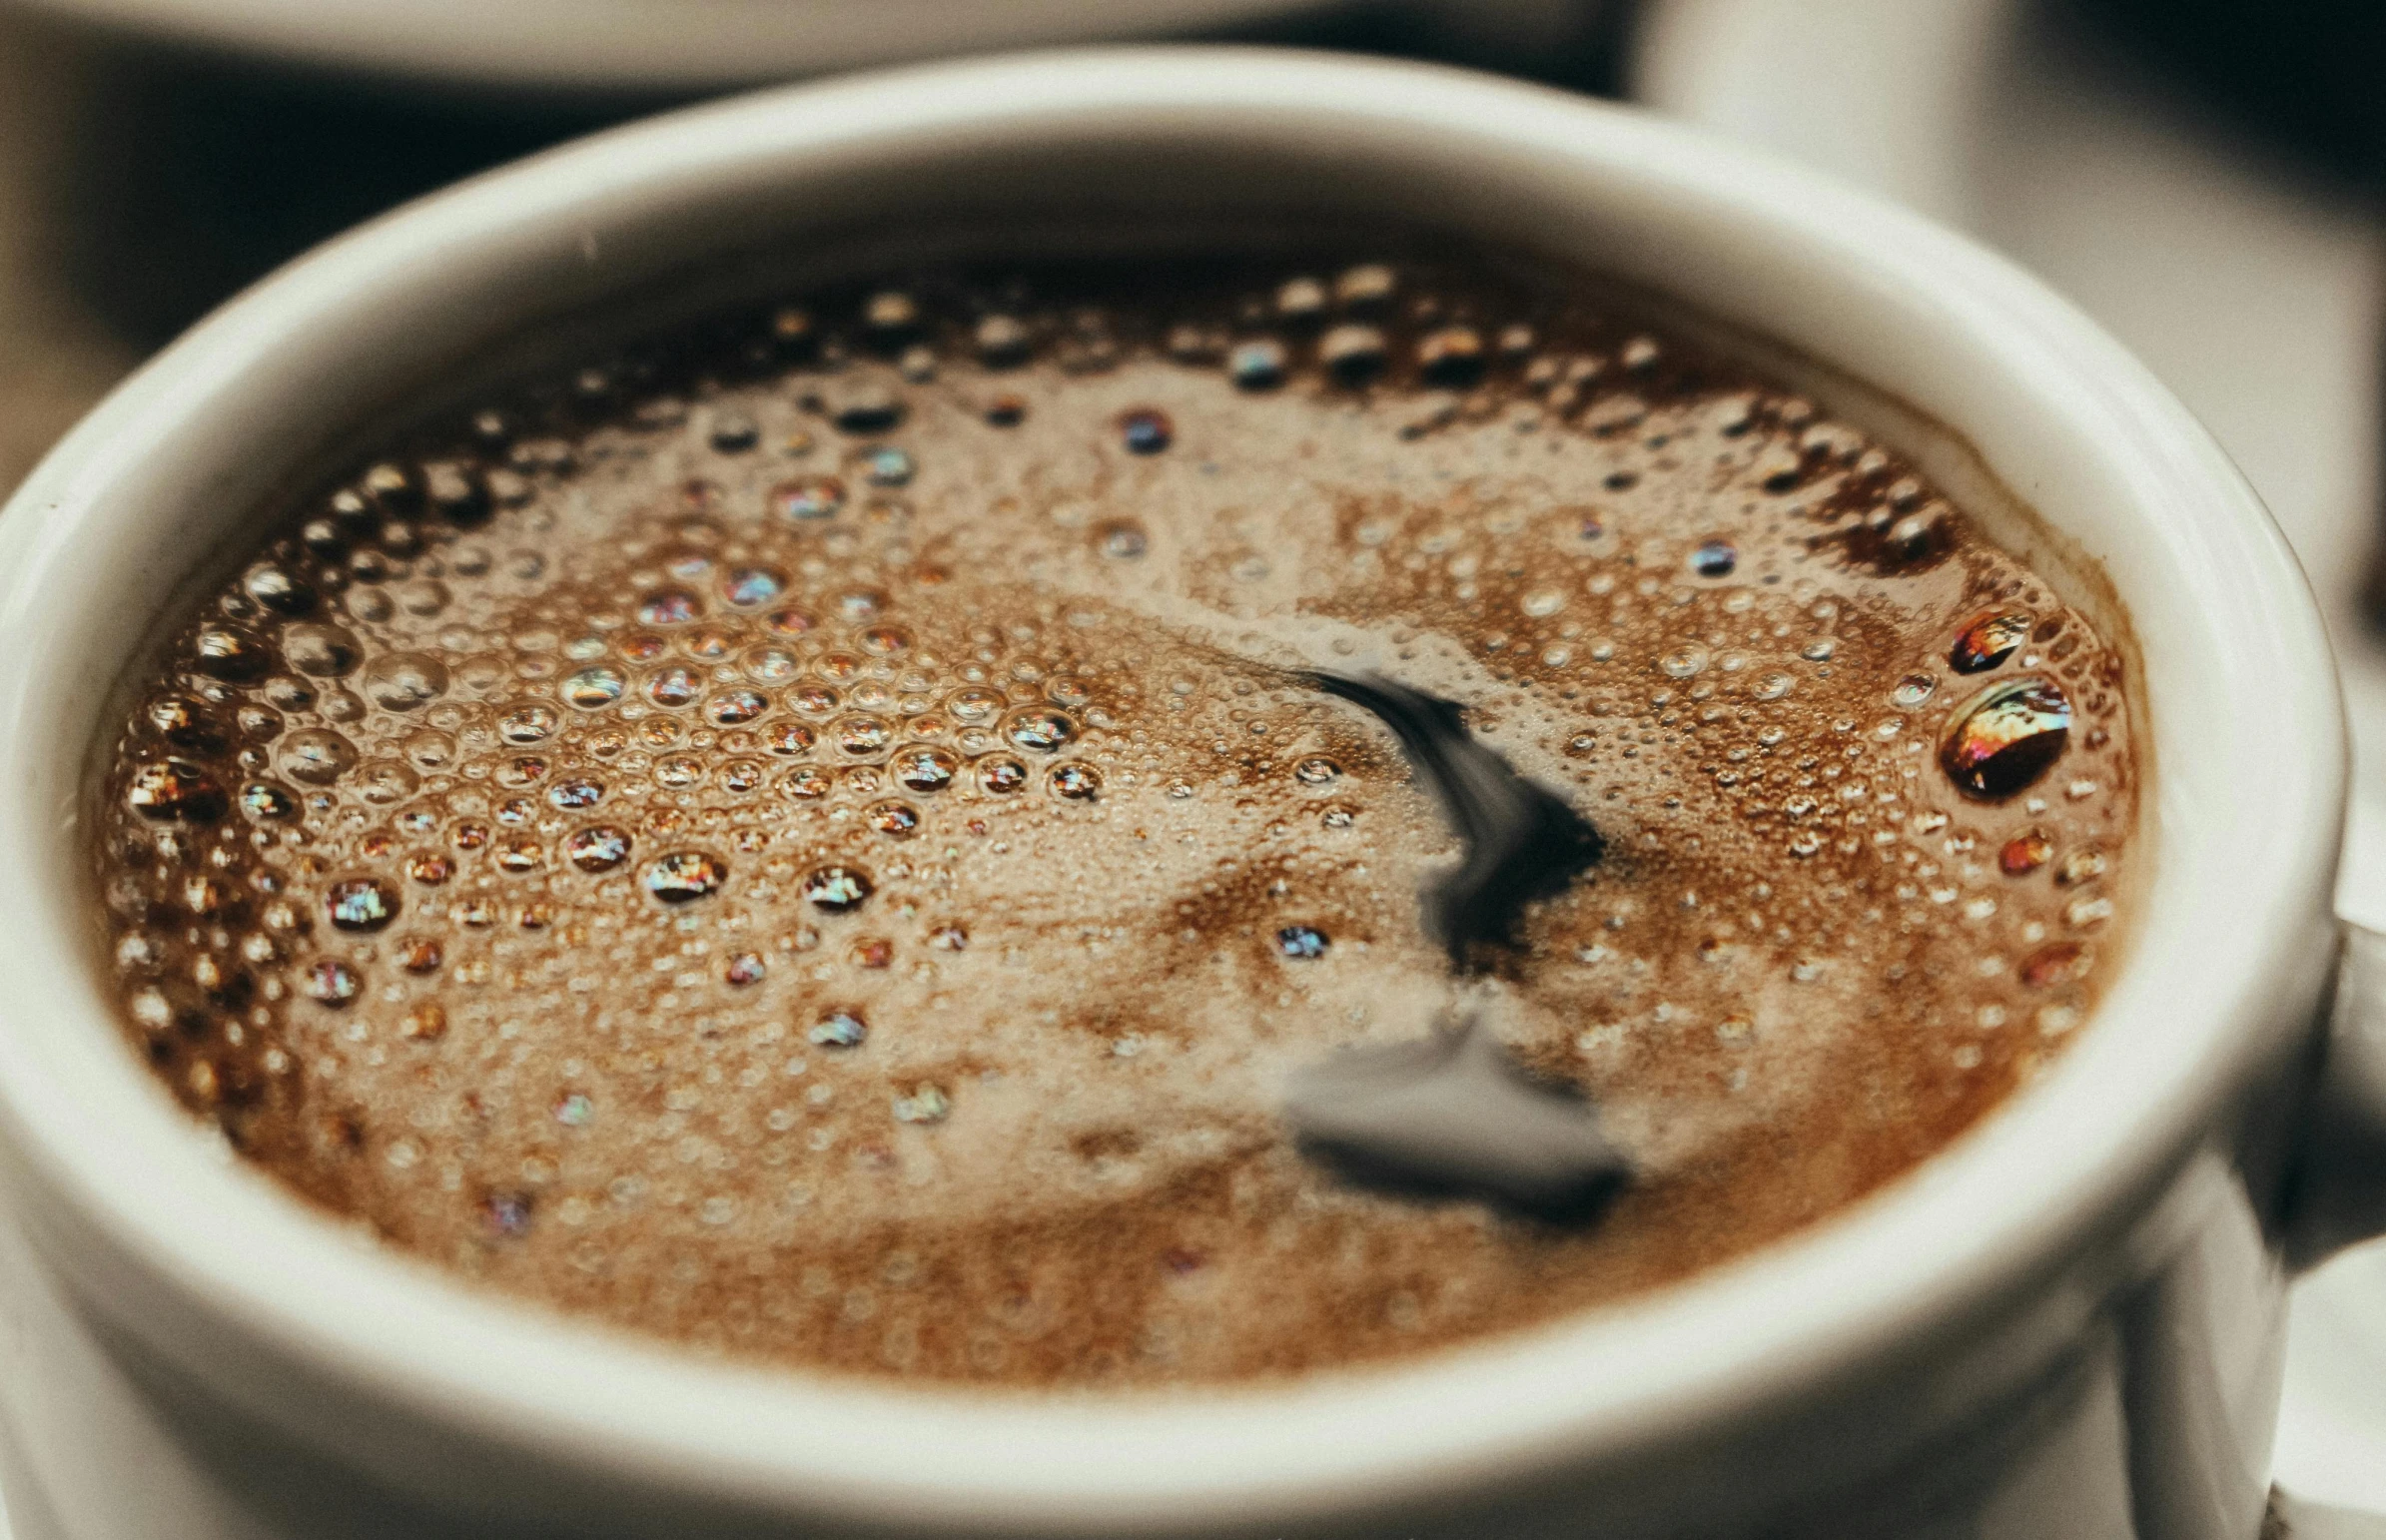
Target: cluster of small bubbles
[[489, 725]]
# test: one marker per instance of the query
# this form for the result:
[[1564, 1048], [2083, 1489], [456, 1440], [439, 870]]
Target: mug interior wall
[[164, 481]]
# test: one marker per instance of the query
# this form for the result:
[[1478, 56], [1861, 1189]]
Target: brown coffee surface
[[809, 837]]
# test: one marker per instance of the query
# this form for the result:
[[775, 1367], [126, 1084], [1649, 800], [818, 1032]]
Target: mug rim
[[1978, 1222]]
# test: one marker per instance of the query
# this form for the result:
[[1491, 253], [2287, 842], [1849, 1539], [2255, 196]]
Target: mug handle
[[2340, 1191]]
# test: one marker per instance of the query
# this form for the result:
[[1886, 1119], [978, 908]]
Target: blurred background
[[2207, 178]]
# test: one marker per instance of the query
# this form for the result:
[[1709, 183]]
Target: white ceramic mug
[[2063, 1327]]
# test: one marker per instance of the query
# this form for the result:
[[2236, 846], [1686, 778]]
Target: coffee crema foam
[[809, 837]]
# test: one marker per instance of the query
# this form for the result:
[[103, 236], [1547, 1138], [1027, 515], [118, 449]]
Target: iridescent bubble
[[506, 1216], [331, 983], [1301, 940], [1256, 364], [747, 587], [2024, 854], [1040, 729], [888, 468], [884, 641], [896, 820], [1316, 770], [1001, 775], [672, 688], [861, 734], [836, 888], [1986, 641], [405, 681], [314, 756], [668, 606], [790, 622], [808, 498], [771, 665], [1077, 783], [923, 769], [528, 723], [730, 709], [1145, 431], [1714, 558], [593, 689], [176, 791], [1913, 690], [743, 970], [857, 605], [790, 739], [186, 724], [265, 801], [926, 1103], [839, 1028], [599, 848], [974, 706], [573, 795], [685, 876], [2005, 737], [808, 784], [361, 904]]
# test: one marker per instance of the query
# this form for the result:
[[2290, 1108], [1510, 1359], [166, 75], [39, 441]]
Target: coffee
[[818, 837]]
